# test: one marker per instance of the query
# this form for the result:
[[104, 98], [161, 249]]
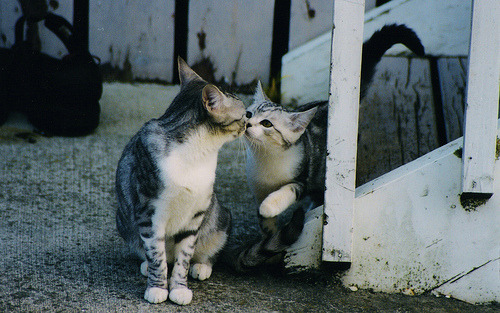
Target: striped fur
[[286, 152], [167, 211]]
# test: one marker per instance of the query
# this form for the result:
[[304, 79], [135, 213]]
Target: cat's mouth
[[250, 139]]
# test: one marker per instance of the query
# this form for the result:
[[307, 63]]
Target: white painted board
[[412, 234], [342, 129], [481, 111], [237, 37], [312, 18], [305, 253], [134, 35]]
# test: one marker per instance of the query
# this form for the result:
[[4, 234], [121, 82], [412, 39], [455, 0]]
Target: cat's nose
[[249, 125], [249, 114]]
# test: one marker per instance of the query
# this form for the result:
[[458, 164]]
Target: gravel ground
[[61, 251]]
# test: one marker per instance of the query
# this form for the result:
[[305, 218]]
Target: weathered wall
[[136, 38], [134, 35], [236, 37], [412, 233]]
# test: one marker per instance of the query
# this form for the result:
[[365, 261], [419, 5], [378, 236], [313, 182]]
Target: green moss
[[497, 151], [471, 201]]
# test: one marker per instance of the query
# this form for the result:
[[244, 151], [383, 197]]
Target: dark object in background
[[59, 96]]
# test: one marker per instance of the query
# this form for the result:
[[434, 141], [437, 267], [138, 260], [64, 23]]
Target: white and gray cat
[[167, 210], [286, 152]]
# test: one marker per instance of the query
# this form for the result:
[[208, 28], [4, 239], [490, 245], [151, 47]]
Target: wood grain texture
[[452, 79], [343, 112], [397, 122]]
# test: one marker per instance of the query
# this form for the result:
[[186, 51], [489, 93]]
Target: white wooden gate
[[414, 270], [400, 231]]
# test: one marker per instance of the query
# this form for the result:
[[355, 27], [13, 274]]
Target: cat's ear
[[300, 120], [186, 74], [213, 100], [260, 96]]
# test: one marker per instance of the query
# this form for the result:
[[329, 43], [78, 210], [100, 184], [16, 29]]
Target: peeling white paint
[[404, 241]]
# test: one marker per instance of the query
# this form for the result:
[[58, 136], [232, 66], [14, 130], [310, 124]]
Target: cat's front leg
[[184, 250], [278, 201], [157, 271]]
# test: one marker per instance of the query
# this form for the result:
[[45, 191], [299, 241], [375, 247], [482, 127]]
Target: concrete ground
[[61, 252]]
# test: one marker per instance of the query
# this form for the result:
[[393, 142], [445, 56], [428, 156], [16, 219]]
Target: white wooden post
[[345, 71], [481, 112]]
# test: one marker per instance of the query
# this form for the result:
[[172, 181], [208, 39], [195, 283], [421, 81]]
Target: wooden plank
[[309, 19], [396, 122], [135, 36], [235, 35], [452, 79], [305, 253], [347, 40], [10, 11], [412, 235], [312, 18], [419, 88], [482, 99], [305, 78]]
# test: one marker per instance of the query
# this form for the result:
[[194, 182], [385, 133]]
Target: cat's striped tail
[[383, 39], [272, 243]]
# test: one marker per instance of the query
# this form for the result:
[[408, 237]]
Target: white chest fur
[[188, 174], [268, 171]]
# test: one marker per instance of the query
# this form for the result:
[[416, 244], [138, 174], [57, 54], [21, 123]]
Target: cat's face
[[227, 112], [270, 126]]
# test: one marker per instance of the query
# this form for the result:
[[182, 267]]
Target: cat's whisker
[[241, 149]]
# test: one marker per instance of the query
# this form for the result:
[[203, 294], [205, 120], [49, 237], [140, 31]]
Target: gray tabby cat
[[286, 152], [168, 212]]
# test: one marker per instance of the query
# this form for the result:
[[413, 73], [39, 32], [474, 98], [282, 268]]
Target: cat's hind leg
[[144, 268], [207, 249]]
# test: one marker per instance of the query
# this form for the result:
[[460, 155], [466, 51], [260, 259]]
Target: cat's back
[[314, 140], [137, 165], [320, 119], [149, 140]]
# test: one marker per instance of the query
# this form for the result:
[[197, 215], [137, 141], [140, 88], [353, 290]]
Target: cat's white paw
[[278, 201], [156, 295], [270, 207], [200, 271], [144, 268], [181, 296]]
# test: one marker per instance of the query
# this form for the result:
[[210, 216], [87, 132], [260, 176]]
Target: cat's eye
[[249, 114], [266, 123]]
